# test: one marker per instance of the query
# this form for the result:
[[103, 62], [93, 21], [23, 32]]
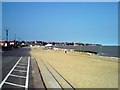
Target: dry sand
[[81, 70]]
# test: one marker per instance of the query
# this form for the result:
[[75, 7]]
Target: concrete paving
[[35, 76], [48, 79], [63, 83]]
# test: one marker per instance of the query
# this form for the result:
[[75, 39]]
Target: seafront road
[[15, 68]]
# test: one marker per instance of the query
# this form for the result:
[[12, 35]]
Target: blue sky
[[86, 22]]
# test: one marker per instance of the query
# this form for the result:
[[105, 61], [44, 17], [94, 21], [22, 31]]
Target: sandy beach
[[79, 69]]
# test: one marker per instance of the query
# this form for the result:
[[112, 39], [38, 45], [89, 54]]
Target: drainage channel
[[18, 76]]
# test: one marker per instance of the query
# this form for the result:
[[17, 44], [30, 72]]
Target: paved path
[[52, 78], [13, 63], [18, 76], [19, 70]]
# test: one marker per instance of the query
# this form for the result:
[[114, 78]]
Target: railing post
[[80, 47], [101, 49]]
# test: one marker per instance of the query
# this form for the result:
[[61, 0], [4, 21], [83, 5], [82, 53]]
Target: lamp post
[[7, 34]]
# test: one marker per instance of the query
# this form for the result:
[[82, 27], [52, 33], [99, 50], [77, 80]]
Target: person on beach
[[65, 51]]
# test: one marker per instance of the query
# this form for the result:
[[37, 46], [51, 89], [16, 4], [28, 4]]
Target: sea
[[109, 51]]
